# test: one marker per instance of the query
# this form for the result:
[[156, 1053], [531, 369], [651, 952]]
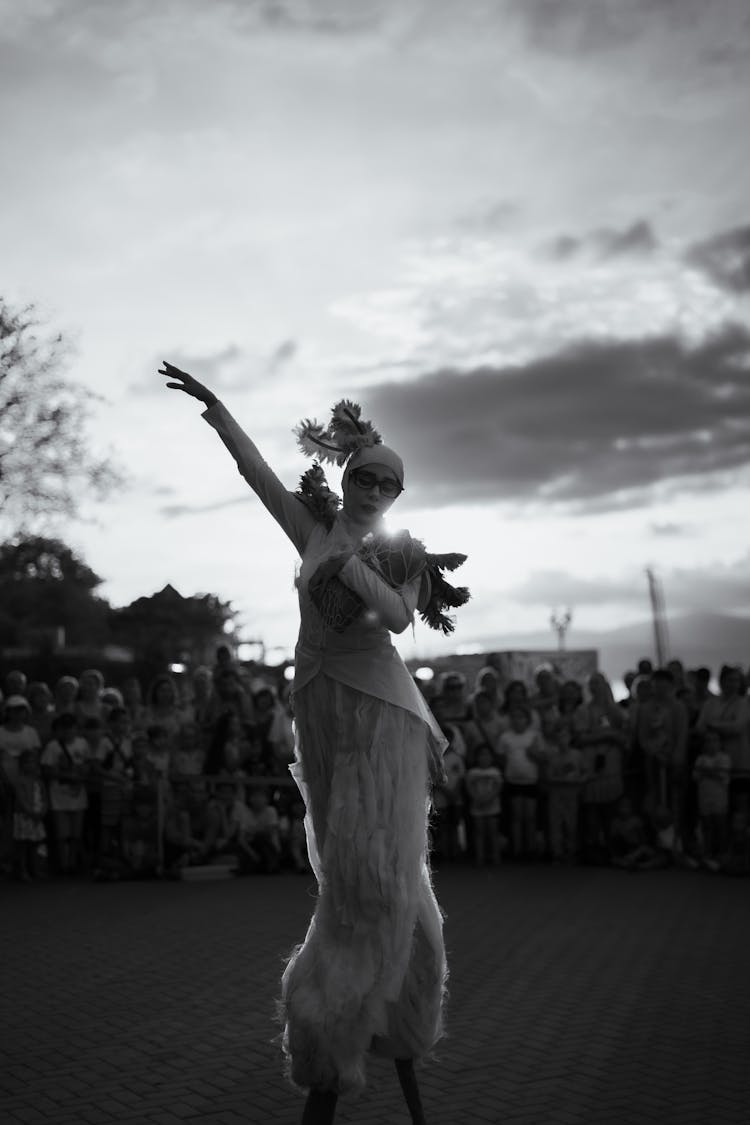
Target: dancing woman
[[371, 973]]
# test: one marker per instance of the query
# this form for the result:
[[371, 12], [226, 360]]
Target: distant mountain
[[695, 639]]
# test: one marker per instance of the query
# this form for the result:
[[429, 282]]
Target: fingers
[[171, 370]]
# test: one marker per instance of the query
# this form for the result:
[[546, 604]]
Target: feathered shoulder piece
[[345, 434], [316, 495], [400, 558]]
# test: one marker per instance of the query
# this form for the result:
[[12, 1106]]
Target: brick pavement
[[578, 997]]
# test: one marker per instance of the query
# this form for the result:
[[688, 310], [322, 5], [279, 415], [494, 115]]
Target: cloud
[[489, 217], [669, 530], [577, 427], [577, 27], [720, 588], [725, 258], [230, 368], [281, 357], [604, 243], [174, 511]]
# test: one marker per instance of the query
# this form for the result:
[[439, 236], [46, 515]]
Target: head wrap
[[375, 455], [347, 440]]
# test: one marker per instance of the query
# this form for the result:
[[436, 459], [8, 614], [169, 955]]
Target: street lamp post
[[560, 625]]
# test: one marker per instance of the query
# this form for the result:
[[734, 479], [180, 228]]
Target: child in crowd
[[92, 731], [189, 757], [221, 838], [711, 773], [737, 859], [522, 753], [140, 835], [65, 765], [628, 840], [259, 837], [144, 772], [484, 728], [158, 752], [448, 797], [114, 763], [565, 774], [181, 847], [28, 817], [483, 785]]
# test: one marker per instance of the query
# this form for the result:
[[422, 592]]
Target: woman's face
[[89, 687], [364, 501], [67, 690], [597, 686]]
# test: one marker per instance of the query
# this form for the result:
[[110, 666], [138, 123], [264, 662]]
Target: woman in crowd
[[162, 707], [89, 703], [66, 694], [600, 733], [42, 709], [132, 700], [371, 972], [728, 715]]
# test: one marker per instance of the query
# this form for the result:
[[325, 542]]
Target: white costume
[[371, 972]]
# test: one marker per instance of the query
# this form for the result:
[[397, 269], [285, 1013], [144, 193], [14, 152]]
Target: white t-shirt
[[519, 769], [483, 784], [67, 796]]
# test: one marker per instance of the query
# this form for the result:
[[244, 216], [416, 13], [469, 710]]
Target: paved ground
[[577, 996]]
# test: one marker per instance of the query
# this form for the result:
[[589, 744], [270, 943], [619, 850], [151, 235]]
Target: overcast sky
[[518, 232]]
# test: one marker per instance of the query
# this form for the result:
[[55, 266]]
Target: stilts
[[320, 1107], [408, 1079]]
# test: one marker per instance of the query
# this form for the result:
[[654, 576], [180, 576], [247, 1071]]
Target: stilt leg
[[320, 1108], [408, 1080]]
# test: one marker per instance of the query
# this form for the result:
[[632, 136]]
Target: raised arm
[[292, 516]]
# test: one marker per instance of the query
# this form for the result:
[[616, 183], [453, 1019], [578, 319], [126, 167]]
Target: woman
[[371, 972], [162, 707], [599, 731]]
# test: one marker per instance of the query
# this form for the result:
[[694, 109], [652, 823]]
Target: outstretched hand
[[184, 382]]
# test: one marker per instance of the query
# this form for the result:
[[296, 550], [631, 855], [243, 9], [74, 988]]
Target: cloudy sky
[[518, 232]]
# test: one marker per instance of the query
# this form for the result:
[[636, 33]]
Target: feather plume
[[349, 431], [450, 561], [315, 441]]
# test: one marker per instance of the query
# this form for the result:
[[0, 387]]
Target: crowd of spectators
[[193, 776], [566, 773], [103, 780]]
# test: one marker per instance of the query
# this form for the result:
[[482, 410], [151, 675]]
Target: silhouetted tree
[[46, 463], [43, 585], [167, 627]]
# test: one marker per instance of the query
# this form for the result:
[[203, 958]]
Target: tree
[[45, 585], [167, 627], [46, 463]]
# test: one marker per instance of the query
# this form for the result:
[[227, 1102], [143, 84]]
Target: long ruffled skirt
[[371, 973]]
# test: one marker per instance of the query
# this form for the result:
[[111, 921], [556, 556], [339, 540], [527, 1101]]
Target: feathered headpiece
[[345, 434]]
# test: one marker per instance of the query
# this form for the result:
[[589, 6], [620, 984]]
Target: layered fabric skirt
[[371, 973]]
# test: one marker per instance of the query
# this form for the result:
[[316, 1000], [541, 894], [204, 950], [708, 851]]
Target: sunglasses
[[365, 480]]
